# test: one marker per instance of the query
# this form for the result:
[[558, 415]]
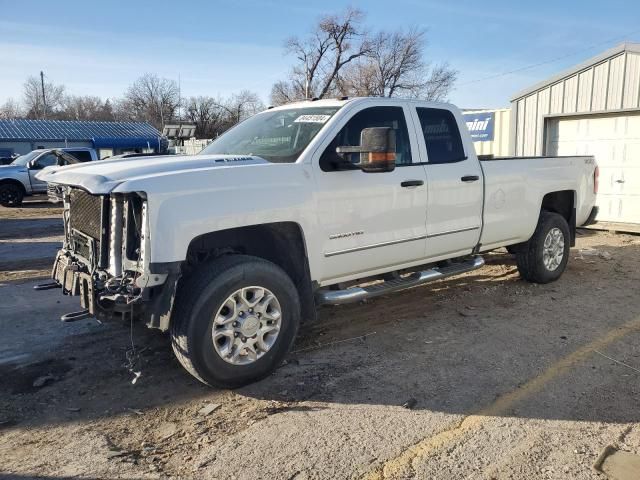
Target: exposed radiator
[[85, 213]]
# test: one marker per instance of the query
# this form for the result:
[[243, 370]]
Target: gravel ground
[[479, 376]]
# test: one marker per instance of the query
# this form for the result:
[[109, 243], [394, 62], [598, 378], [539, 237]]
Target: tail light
[[596, 179]]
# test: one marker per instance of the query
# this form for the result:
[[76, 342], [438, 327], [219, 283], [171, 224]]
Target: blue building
[[108, 138]]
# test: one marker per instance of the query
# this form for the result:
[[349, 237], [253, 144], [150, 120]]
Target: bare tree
[[207, 115], [336, 41], [395, 66], [241, 106], [152, 99], [213, 116], [108, 111], [33, 101], [11, 109], [86, 108], [122, 110], [441, 81], [286, 92], [340, 58]]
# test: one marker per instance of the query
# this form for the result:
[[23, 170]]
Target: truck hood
[[103, 176]]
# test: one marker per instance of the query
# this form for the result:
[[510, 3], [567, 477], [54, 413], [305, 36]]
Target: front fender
[[232, 198], [18, 176]]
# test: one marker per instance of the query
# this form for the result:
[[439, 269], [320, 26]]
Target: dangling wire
[[132, 355]]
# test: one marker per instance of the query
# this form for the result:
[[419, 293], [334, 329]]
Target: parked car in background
[[18, 179], [8, 160], [299, 206], [83, 154]]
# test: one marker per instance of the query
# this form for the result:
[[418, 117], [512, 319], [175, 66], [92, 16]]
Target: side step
[[355, 294], [75, 316]]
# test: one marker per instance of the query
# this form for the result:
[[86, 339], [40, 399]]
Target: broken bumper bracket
[[67, 274]]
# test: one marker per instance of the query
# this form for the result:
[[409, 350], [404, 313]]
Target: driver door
[[370, 222], [46, 160]]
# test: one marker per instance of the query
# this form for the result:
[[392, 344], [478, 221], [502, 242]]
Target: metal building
[[591, 109], [108, 138], [489, 130]]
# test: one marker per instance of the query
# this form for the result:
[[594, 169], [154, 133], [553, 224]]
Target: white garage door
[[614, 140]]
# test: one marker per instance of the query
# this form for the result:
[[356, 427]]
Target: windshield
[[279, 136], [22, 160]]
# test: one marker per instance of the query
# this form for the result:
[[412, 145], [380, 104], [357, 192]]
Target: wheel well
[[6, 181], [281, 243], [562, 203]]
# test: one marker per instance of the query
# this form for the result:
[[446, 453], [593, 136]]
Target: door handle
[[411, 183], [619, 181], [470, 178]]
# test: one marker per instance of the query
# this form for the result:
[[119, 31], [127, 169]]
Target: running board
[[355, 294], [75, 316], [47, 286]]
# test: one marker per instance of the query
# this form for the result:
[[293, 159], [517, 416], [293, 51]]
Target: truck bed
[[515, 187]]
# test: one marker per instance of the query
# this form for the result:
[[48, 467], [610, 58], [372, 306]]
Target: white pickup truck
[[320, 202]]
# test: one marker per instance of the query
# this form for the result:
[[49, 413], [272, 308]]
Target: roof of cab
[[325, 102], [341, 101]]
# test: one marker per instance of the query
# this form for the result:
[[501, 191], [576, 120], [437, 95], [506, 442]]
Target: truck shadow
[[459, 345], [454, 346]]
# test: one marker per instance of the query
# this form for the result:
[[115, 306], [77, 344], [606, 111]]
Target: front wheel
[[235, 319], [10, 195], [546, 254]]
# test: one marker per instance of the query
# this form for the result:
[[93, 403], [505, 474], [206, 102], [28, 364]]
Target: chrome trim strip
[[376, 245], [453, 231]]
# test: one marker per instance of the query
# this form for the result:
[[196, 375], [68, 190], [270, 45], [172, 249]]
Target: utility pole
[[179, 101], [44, 100]]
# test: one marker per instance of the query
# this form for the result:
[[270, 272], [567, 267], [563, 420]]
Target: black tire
[[199, 297], [530, 260], [11, 195]]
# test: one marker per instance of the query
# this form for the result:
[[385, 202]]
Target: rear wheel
[[235, 319], [11, 195], [546, 254]]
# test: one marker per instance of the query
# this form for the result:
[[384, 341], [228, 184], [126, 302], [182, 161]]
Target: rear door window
[[82, 155], [441, 135]]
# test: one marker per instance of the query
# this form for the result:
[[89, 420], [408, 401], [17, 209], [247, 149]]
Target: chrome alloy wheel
[[553, 250], [247, 325]]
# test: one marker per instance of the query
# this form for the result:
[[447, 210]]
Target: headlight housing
[[128, 232]]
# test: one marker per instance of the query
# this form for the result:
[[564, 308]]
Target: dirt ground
[[480, 376]]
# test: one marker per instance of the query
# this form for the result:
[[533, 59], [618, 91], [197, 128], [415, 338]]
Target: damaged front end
[[104, 260]]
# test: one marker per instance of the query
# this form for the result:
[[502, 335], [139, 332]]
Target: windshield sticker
[[312, 119]]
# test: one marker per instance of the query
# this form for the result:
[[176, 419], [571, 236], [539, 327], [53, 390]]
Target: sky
[[221, 47]]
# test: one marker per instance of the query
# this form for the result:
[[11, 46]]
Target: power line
[[552, 60]]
